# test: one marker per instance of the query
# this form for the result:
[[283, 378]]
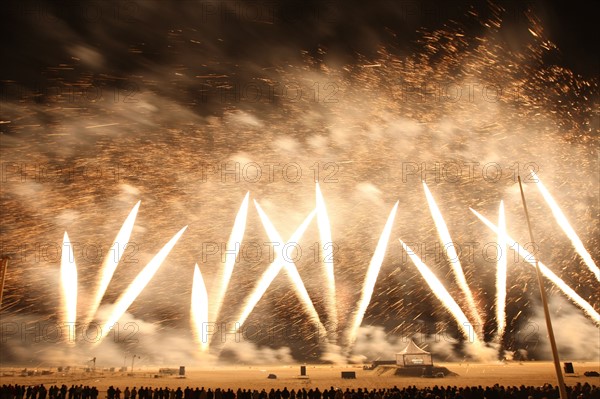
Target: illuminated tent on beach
[[412, 355]]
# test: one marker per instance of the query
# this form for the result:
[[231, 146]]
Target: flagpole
[[3, 270], [559, 375]]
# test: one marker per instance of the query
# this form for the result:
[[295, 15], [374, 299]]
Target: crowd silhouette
[[547, 391]]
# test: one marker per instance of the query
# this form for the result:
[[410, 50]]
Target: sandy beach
[[322, 376]]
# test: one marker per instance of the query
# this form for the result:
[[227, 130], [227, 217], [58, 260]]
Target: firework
[[465, 326], [529, 258], [501, 268], [233, 248], [452, 256], [68, 280], [111, 261], [562, 221], [327, 245], [289, 266], [199, 309], [371, 277], [274, 269], [138, 285]]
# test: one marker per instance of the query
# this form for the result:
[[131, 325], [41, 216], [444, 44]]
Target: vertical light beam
[[529, 258], [562, 221], [232, 251], [447, 300], [199, 309], [112, 259], [68, 282], [289, 266], [327, 246], [270, 274], [138, 285], [371, 277], [501, 269], [453, 257]]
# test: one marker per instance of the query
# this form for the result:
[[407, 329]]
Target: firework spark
[[562, 221], [289, 265], [501, 268], [199, 309], [273, 269], [233, 248], [138, 285], [452, 256], [447, 300], [68, 280], [371, 277], [327, 246], [112, 259], [529, 258]]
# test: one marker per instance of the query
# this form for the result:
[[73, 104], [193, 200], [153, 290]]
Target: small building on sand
[[412, 356]]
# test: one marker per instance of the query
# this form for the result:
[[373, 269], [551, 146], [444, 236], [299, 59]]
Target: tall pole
[[132, 359], [559, 375], [3, 269]]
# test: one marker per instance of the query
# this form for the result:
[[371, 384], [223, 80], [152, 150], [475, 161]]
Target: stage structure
[[412, 356]]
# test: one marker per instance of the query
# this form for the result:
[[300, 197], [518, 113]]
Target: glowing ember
[[233, 248], [68, 281], [138, 285], [501, 273], [112, 259], [371, 277], [199, 309], [327, 246], [452, 255], [529, 258], [444, 296], [274, 268], [562, 221]]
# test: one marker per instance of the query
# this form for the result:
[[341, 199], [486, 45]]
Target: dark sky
[[35, 33]]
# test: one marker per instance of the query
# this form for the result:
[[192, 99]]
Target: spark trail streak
[[112, 259], [233, 248], [274, 268], [199, 309], [501, 273], [452, 256], [562, 221], [68, 282], [327, 246], [138, 285], [529, 258], [371, 277], [444, 296]]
